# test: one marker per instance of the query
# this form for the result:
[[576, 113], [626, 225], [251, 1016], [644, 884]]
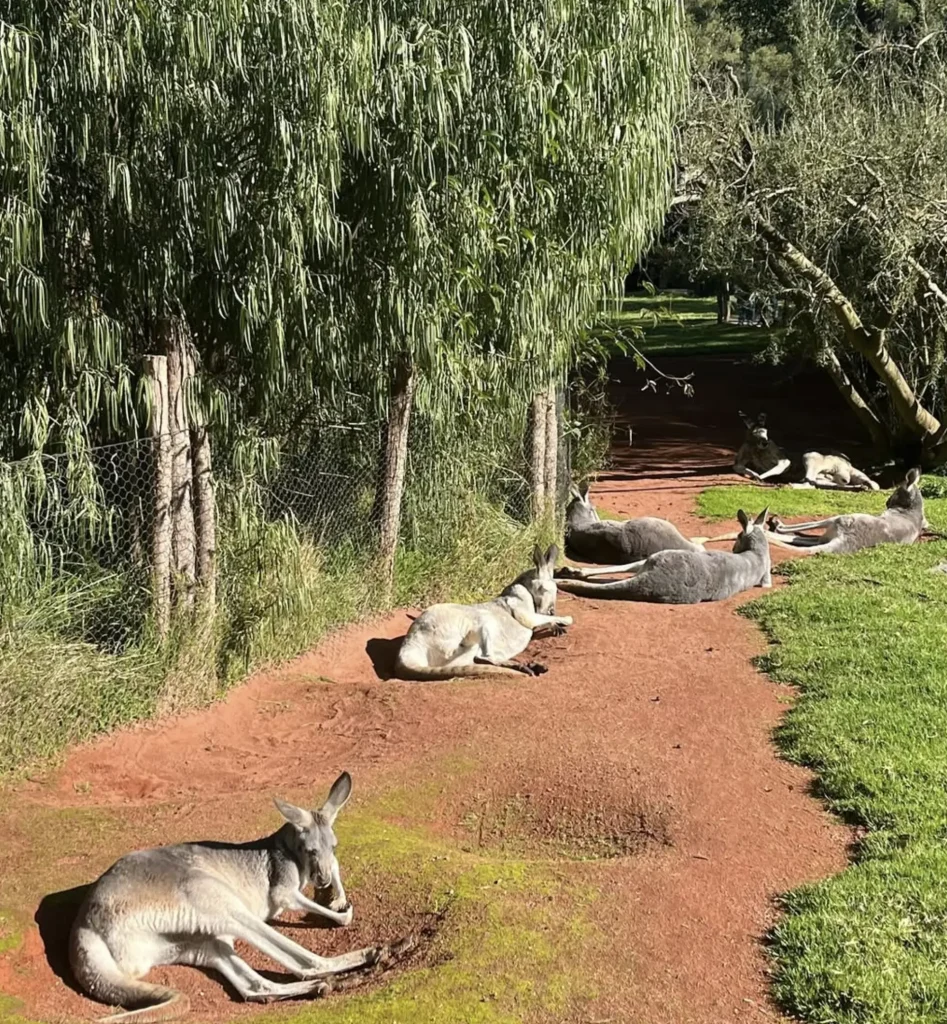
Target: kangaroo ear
[[761, 518], [338, 796], [744, 522], [302, 819], [584, 491], [761, 419], [747, 422], [538, 558], [551, 556], [912, 477]]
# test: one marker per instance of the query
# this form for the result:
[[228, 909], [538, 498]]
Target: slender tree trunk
[[855, 402], [394, 465], [156, 370], [868, 342], [723, 303], [537, 454], [205, 512], [552, 450], [182, 473]]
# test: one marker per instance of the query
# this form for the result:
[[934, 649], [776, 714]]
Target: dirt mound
[[540, 810]]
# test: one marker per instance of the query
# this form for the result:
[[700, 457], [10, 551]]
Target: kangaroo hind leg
[[250, 986]]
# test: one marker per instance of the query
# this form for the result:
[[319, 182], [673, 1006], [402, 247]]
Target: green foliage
[[865, 639], [670, 324]]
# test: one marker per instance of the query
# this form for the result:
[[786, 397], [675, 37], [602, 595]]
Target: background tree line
[[812, 170]]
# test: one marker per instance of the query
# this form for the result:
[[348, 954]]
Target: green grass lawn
[[865, 638], [674, 324]]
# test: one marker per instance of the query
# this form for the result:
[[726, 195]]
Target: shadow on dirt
[[54, 918], [383, 654]]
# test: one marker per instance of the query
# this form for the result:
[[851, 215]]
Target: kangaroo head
[[752, 533], [906, 497], [580, 509], [539, 582], [312, 838], [756, 432]]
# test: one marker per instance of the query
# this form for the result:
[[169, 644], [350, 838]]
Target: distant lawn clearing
[[865, 638], [683, 325]]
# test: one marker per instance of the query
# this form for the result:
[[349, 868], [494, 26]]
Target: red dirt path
[[643, 705]]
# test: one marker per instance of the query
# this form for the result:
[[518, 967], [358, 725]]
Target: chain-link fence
[[123, 590]]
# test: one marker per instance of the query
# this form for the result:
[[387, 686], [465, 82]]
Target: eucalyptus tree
[[520, 161]]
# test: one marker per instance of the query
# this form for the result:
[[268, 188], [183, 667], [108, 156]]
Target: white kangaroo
[[447, 641], [187, 904]]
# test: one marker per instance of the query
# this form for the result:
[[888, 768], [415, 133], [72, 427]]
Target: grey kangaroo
[[902, 522], [187, 904], [447, 641], [761, 459], [604, 541], [689, 577]]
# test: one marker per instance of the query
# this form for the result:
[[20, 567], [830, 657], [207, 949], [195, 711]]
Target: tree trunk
[[868, 342], [855, 402], [394, 465], [552, 451], [537, 454], [182, 472], [205, 512], [156, 370], [723, 303]]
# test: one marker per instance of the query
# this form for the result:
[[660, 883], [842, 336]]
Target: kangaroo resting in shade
[[612, 541], [689, 577], [447, 641], [902, 522], [761, 459]]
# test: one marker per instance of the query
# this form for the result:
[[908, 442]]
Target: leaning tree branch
[[867, 342], [845, 385]]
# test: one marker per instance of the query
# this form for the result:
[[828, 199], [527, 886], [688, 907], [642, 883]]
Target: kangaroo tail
[[723, 536], [101, 977], [433, 673]]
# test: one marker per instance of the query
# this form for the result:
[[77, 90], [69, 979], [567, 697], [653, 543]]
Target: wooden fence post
[[156, 370]]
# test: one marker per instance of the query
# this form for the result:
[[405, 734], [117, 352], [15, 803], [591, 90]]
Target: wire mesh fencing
[[126, 543]]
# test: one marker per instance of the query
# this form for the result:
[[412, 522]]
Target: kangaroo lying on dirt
[[187, 904], [597, 540], [689, 577], [902, 522], [447, 641], [761, 459]]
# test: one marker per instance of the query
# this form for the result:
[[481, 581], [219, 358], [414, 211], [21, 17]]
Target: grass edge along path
[[864, 638]]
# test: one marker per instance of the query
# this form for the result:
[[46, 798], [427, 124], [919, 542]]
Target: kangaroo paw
[[535, 668], [773, 522], [568, 572]]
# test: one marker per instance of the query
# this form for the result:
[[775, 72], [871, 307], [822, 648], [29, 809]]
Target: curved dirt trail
[[649, 708]]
